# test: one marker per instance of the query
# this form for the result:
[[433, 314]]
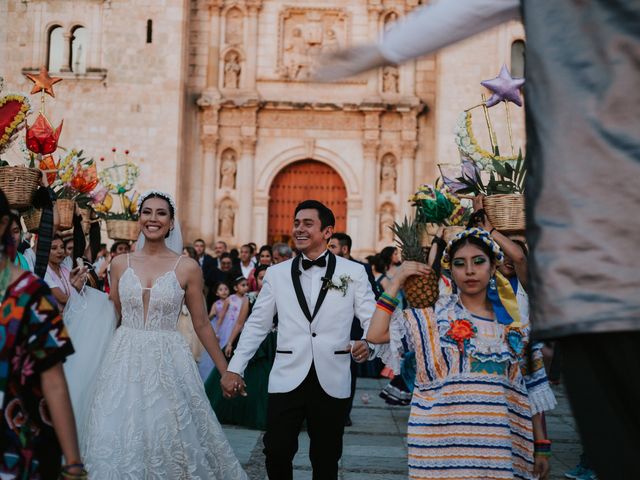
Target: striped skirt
[[471, 428]]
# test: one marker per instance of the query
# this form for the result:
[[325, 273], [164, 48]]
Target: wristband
[[492, 230], [542, 448], [387, 303]]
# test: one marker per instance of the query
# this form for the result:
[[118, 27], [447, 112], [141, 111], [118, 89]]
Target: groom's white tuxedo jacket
[[314, 323]]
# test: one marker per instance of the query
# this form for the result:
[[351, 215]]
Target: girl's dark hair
[[257, 270], [238, 280], [471, 241], [191, 251], [265, 248], [385, 258], [172, 213]]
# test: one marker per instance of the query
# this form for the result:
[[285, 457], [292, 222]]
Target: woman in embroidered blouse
[[34, 399], [57, 276], [471, 416]]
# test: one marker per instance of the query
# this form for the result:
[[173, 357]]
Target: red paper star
[[43, 81]]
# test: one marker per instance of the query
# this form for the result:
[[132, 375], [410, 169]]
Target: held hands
[[360, 351], [232, 385]]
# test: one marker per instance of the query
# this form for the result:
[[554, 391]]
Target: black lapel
[[295, 277], [331, 268]]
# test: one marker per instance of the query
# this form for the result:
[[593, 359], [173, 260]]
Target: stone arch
[[55, 47], [302, 180], [325, 155]]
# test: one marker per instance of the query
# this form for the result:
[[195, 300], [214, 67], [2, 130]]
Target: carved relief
[[388, 173], [305, 34], [226, 219], [387, 218], [389, 19], [232, 70], [228, 169], [390, 77], [234, 27]]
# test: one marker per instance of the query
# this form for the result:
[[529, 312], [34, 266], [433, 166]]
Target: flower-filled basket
[[123, 229]]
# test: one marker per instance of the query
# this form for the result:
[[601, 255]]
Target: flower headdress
[[157, 193], [481, 235]]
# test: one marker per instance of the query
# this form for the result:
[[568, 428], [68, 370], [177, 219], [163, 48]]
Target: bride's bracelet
[[67, 475]]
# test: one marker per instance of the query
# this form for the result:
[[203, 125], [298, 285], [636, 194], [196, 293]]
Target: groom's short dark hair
[[324, 213]]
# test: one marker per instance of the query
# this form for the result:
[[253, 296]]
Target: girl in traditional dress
[[471, 416]]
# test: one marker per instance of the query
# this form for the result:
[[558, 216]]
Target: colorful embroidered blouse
[[470, 413], [32, 339]]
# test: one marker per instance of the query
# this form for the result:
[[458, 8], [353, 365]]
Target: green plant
[[504, 178]]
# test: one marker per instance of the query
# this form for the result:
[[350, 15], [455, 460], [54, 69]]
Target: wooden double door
[[304, 180]]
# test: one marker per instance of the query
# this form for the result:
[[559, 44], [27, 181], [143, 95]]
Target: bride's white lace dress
[[149, 416]]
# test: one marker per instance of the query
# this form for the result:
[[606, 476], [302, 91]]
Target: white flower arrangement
[[343, 286]]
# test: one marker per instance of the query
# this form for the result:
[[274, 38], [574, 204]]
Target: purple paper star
[[505, 88]]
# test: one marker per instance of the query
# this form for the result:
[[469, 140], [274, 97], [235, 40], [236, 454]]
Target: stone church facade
[[215, 100]]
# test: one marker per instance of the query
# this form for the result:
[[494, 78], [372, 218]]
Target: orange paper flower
[[461, 331], [85, 179], [49, 165]]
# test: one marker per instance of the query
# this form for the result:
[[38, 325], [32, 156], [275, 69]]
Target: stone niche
[[304, 35]]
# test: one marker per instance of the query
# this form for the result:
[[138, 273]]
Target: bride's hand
[[232, 385]]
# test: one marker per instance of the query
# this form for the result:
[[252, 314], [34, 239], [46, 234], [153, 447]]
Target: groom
[[316, 295]]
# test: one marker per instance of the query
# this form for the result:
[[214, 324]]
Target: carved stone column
[[408, 184], [245, 188], [66, 55], [251, 57], [370, 148], [214, 46], [374, 10], [208, 173]]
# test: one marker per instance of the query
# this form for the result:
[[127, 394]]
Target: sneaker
[[575, 472], [587, 474]]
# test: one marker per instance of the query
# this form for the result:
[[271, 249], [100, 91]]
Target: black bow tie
[[318, 262]]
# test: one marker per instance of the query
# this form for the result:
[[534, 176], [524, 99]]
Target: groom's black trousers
[[325, 425]]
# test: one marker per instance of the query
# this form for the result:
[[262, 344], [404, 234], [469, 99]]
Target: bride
[[148, 416]]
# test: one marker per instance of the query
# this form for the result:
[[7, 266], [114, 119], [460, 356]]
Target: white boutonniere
[[342, 286]]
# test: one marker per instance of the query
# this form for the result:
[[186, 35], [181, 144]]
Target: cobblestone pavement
[[375, 449]]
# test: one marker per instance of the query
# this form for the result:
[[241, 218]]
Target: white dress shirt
[[311, 281]]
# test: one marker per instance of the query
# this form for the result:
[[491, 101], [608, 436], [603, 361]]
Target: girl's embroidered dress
[[470, 413]]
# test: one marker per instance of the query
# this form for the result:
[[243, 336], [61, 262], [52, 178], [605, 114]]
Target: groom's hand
[[360, 351], [232, 385]]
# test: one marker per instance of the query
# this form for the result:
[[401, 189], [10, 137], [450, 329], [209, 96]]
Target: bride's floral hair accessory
[[158, 194], [479, 234]]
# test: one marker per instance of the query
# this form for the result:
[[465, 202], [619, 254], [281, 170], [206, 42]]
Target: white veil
[[174, 240]]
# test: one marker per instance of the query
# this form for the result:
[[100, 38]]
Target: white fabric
[[332, 328], [30, 256], [91, 322], [173, 241], [149, 417], [53, 280], [439, 24], [246, 271]]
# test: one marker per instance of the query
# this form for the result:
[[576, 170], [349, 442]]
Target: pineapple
[[420, 292]]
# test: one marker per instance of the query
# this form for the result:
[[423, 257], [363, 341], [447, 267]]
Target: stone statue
[[330, 43], [388, 174], [232, 70], [226, 220], [390, 80], [387, 218], [297, 55], [228, 169]]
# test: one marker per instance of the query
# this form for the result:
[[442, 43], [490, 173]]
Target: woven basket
[[85, 213], [66, 208], [19, 184], [506, 212], [123, 230], [452, 231], [31, 219]]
